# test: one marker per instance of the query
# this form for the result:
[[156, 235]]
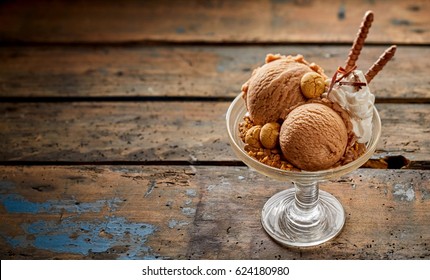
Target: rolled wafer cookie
[[355, 51], [380, 63]]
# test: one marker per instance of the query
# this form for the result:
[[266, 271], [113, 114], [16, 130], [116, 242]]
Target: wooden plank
[[162, 131], [97, 213], [203, 212], [187, 71], [212, 21]]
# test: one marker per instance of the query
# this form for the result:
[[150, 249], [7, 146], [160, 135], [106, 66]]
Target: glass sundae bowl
[[302, 216]]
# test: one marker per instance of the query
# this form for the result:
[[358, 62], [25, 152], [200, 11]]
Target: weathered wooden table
[[112, 133]]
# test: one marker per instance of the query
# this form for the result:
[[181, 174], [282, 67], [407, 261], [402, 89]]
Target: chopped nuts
[[271, 157], [244, 127], [269, 135], [271, 57]]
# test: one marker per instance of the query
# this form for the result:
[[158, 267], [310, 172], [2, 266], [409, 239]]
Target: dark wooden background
[[112, 133]]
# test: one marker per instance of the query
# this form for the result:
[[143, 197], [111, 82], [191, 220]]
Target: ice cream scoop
[[275, 87], [313, 137]]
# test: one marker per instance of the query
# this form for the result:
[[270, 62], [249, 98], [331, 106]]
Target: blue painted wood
[[73, 234], [202, 212]]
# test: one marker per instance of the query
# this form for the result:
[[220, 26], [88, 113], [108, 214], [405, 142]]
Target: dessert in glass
[[293, 123]]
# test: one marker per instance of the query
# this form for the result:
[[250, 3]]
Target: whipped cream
[[358, 102]]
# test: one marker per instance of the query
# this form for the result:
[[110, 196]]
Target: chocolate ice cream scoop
[[275, 87], [313, 137]]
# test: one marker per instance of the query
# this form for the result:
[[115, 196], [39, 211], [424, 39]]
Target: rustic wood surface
[[188, 71], [163, 131], [112, 128], [187, 212], [241, 21]]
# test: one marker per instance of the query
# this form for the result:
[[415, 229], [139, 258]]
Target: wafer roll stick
[[354, 53], [380, 63]]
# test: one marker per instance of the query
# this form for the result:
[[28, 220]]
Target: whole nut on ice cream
[[312, 85], [252, 137], [269, 135]]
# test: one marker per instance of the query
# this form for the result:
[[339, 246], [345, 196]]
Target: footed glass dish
[[302, 216]]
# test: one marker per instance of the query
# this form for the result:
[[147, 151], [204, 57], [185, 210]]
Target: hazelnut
[[252, 136], [269, 135], [312, 85]]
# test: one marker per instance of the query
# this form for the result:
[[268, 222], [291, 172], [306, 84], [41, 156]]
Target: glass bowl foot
[[293, 224]]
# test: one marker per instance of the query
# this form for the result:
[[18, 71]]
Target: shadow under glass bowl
[[302, 216]]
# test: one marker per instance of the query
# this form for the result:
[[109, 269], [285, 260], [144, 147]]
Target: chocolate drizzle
[[357, 84]]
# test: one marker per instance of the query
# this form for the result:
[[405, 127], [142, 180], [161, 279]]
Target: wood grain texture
[[140, 167], [163, 131], [187, 212], [212, 21], [192, 71]]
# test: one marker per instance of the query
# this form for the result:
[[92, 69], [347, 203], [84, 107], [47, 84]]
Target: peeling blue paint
[[16, 241], [174, 223], [191, 192], [6, 185], [425, 194], [180, 30], [404, 192], [14, 203], [74, 234], [83, 237], [188, 211], [151, 187]]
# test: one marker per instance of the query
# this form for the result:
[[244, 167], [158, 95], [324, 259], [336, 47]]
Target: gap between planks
[[65, 99], [391, 163], [199, 43]]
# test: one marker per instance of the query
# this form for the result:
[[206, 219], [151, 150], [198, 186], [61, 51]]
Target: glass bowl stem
[[303, 216]]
